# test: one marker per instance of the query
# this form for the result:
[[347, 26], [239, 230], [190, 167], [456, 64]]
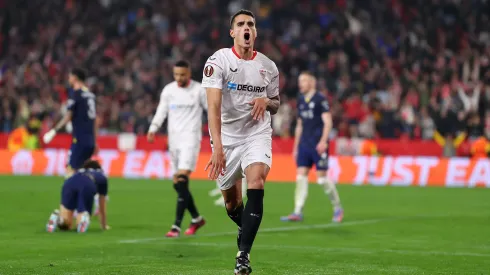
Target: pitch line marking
[[340, 249], [274, 229]]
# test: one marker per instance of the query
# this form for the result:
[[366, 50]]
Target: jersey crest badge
[[208, 70]]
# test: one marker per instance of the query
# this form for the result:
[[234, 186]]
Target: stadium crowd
[[390, 68]]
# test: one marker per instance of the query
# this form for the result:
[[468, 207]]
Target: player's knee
[[303, 171], [233, 203], [182, 179], [256, 182], [181, 185], [65, 223], [301, 178]]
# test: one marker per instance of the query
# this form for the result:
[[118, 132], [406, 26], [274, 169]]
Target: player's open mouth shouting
[[246, 36]]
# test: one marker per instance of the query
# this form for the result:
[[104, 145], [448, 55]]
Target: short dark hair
[[307, 73], [242, 11], [79, 73], [91, 164], [182, 64]]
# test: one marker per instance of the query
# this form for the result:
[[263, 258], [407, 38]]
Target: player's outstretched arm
[[63, 121], [159, 118], [48, 137]]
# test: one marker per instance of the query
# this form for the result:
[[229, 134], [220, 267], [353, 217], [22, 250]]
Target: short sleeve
[[212, 75], [273, 87], [325, 106]]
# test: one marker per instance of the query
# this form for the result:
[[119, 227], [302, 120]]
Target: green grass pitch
[[387, 230]]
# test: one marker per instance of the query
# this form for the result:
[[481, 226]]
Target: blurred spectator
[[25, 137], [480, 148], [390, 68], [427, 124]]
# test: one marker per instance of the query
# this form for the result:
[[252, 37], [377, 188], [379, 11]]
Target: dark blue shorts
[[308, 156], [78, 193], [79, 154]]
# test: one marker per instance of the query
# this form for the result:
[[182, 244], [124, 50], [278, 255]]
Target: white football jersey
[[184, 107], [240, 82]]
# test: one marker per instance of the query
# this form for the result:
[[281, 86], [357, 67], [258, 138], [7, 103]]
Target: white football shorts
[[238, 158], [184, 156]]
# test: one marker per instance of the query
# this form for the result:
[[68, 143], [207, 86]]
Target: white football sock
[[300, 194], [196, 220], [331, 191], [96, 202]]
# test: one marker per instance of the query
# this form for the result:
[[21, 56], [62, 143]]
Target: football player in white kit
[[183, 101], [242, 87]]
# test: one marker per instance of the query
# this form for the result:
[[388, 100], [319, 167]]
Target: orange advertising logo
[[358, 170]]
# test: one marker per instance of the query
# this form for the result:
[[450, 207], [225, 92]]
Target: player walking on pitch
[[311, 147], [242, 88], [183, 101], [81, 112]]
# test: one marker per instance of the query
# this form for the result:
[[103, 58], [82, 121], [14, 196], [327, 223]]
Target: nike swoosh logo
[[212, 58], [234, 70]]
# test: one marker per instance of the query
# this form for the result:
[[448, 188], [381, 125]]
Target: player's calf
[[333, 195], [234, 204], [300, 195], [252, 215], [181, 186]]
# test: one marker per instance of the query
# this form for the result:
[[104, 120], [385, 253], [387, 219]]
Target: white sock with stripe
[[300, 194]]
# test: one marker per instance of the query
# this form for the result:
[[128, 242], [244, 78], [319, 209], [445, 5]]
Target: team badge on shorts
[[208, 70]]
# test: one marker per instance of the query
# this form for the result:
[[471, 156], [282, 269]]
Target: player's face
[[182, 75], [244, 31], [305, 83], [71, 79]]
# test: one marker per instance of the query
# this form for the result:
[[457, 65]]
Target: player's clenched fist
[[259, 107], [217, 164], [150, 137], [321, 147]]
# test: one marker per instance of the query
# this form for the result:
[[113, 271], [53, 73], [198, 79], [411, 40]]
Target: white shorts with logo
[[240, 157], [184, 156]]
